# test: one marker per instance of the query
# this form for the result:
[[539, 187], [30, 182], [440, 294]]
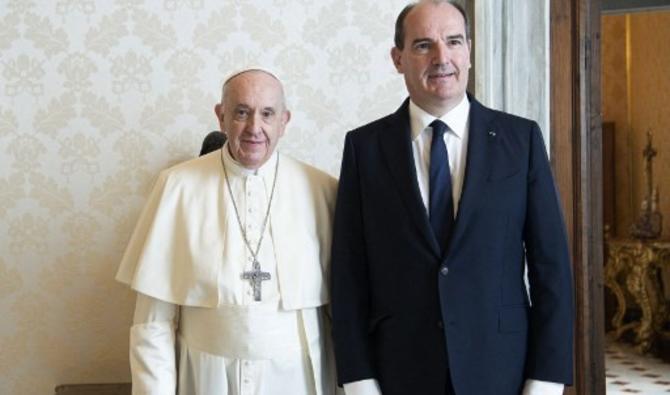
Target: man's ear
[[469, 53], [396, 56]]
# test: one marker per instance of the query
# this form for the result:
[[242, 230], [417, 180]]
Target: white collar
[[457, 118], [235, 168]]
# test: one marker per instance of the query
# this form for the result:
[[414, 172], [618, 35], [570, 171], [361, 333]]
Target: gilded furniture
[[634, 266]]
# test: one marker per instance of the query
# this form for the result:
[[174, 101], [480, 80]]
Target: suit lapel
[[481, 138], [396, 146]]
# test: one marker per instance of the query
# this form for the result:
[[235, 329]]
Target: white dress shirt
[[456, 140]]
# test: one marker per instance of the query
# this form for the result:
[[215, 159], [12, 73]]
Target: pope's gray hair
[[254, 70]]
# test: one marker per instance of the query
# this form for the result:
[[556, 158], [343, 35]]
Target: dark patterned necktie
[[441, 201]]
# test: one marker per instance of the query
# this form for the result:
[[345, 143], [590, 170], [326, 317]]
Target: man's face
[[435, 58], [253, 117]]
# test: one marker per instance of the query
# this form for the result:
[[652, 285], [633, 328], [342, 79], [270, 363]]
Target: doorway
[[577, 160], [636, 149]]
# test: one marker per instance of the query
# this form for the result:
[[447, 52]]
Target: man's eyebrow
[[458, 36], [421, 39]]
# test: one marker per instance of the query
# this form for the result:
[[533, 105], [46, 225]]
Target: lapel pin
[[492, 133]]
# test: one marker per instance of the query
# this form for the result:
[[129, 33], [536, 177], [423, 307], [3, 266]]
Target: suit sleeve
[[549, 275], [349, 277]]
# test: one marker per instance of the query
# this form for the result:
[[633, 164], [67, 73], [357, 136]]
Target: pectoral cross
[[256, 276]]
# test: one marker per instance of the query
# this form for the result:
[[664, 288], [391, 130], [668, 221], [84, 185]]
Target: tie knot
[[439, 128]]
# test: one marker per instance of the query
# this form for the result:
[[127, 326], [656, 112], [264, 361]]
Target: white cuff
[[362, 387], [537, 387]]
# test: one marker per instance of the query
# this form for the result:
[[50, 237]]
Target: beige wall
[[96, 97], [615, 109], [649, 95]]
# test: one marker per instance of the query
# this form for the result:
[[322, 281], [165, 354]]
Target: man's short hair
[[399, 37]]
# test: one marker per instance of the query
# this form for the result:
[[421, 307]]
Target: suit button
[[440, 325], [444, 270]]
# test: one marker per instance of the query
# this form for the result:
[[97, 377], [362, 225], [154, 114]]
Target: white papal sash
[[242, 332]]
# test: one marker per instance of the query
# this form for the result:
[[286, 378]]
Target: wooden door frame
[[576, 155]]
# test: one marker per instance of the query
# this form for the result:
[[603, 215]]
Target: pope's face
[[435, 58], [253, 117]]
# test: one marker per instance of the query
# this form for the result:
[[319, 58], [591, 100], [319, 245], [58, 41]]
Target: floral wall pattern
[[96, 97]]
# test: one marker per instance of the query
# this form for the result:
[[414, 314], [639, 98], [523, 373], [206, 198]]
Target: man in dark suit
[[440, 205]]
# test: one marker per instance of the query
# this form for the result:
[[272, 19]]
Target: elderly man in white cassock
[[229, 260]]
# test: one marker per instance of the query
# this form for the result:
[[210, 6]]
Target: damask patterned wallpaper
[[96, 97]]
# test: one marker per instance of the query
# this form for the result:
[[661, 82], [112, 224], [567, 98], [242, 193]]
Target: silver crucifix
[[256, 277]]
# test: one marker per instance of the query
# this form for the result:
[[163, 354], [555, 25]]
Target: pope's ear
[[217, 112], [285, 117]]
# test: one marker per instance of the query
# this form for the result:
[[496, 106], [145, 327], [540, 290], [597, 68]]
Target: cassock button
[[444, 270]]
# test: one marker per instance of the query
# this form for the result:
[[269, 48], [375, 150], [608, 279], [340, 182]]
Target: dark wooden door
[[576, 152]]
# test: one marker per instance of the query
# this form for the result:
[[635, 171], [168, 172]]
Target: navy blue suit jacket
[[402, 319]]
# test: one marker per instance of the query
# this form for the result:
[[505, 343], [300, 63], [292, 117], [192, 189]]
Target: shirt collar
[[457, 118], [235, 168]]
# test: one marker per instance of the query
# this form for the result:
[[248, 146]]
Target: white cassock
[[197, 328]]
